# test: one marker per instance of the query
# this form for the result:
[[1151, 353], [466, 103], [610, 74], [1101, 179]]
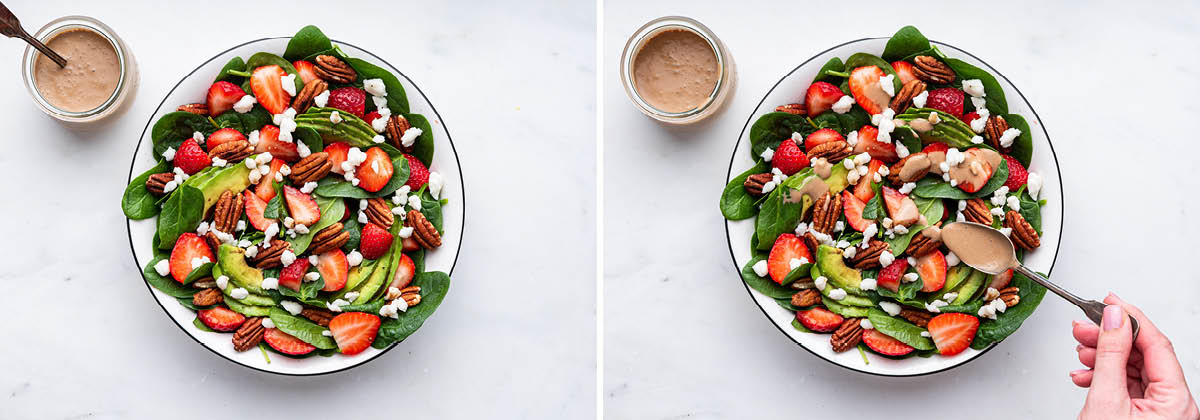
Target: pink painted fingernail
[[1114, 317]]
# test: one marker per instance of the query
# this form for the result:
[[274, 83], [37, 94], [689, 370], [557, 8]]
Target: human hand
[[1129, 379]]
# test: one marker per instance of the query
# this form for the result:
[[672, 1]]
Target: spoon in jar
[[10, 26], [990, 251]]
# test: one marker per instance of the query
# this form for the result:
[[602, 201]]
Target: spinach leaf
[[200, 325], [764, 285], [275, 208], [310, 138], [332, 210], [778, 216], [204, 270], [229, 73], [309, 290], [173, 128], [855, 119], [797, 325], [423, 146], [308, 40], [266, 59], [137, 202], [301, 328], [832, 69], [874, 209], [899, 329], [333, 187], [352, 227], [397, 100], [1022, 147], [736, 203], [1031, 210], [931, 208], [434, 286], [186, 302], [181, 213], [907, 41], [166, 284], [995, 94], [432, 210], [1007, 322], [244, 123], [772, 128], [863, 59], [936, 188]]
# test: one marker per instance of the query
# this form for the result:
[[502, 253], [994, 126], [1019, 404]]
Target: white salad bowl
[[791, 89], [445, 161]]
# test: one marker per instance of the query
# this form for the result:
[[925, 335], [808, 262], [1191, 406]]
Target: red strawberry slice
[[863, 189], [338, 153], [948, 100], [266, 187], [932, 269], [819, 319], [405, 271], [292, 275], [853, 208], [255, 207], [878, 150], [285, 343], [222, 136], [971, 116], [221, 97], [268, 141], [953, 332], [268, 89], [375, 172], [1017, 175], [901, 208], [354, 331], [188, 247], [974, 155], [820, 97], [864, 85], [409, 245], [883, 344], [371, 116], [889, 277], [306, 69], [374, 241], [220, 318], [787, 247], [418, 174], [349, 99], [334, 269], [301, 206], [935, 147], [788, 158], [822, 136], [190, 157], [904, 70], [1001, 280]]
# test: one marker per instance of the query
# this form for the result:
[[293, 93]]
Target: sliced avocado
[[247, 310], [845, 310], [232, 261], [375, 282], [252, 300], [956, 276], [967, 290], [829, 259], [232, 178], [837, 179], [358, 275]]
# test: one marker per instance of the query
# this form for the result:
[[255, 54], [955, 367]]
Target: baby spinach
[[309, 40], [899, 329], [842, 123], [778, 216], [907, 41], [275, 208], [301, 328], [204, 270], [244, 123], [797, 325], [232, 72], [166, 284], [1022, 146], [181, 213], [736, 203], [931, 208], [423, 146], [137, 202], [832, 69], [200, 325], [266, 59], [434, 286], [173, 128], [995, 94], [397, 101], [863, 59], [936, 188], [371, 307], [1007, 322], [772, 128], [333, 187], [352, 227], [1031, 210], [310, 138], [874, 209], [332, 210], [431, 209], [764, 285]]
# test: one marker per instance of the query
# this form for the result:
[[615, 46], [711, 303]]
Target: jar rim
[[60, 26]]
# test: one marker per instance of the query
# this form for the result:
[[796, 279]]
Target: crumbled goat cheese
[[767, 154], [1006, 138], [866, 324], [169, 154], [952, 260], [239, 293], [222, 282], [1034, 183], [919, 100], [888, 85], [843, 104], [163, 267], [354, 258], [410, 136], [270, 283], [245, 104], [321, 100], [335, 117], [837, 294], [375, 87], [820, 282], [974, 87], [889, 307], [868, 284]]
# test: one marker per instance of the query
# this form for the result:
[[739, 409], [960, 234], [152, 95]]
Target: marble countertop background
[[1114, 83], [515, 338]]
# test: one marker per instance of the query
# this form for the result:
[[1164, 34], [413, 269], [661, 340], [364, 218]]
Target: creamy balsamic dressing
[[90, 77], [813, 187], [822, 168], [979, 246], [676, 71], [975, 169]]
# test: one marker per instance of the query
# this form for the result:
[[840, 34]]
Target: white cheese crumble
[[222, 282], [292, 307], [270, 283], [974, 87], [1035, 185], [910, 277], [1006, 138], [820, 282], [436, 182], [245, 104], [335, 117], [375, 87], [410, 136], [796, 263], [952, 260], [866, 324], [907, 187], [887, 83], [919, 100], [162, 267], [837, 294], [321, 100], [886, 258], [268, 323], [760, 268], [843, 104], [239, 293], [169, 154], [405, 232], [868, 284], [354, 258], [889, 307], [767, 154]]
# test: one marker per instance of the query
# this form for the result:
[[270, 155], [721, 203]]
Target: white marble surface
[[682, 338], [513, 339]]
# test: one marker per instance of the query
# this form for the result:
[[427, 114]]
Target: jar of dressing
[[676, 70], [99, 79]]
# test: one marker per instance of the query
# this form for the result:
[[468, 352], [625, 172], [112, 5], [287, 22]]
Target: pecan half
[[304, 99], [978, 211], [208, 297], [158, 182], [1010, 295], [754, 183], [868, 258], [931, 70], [848, 335], [332, 69], [270, 257], [795, 109], [249, 334], [994, 129], [917, 317], [903, 99], [1022, 233], [233, 151], [811, 242], [423, 231], [213, 241], [832, 151], [806, 297], [379, 212], [394, 131], [921, 244], [227, 212], [411, 295], [198, 109], [826, 212], [319, 316], [311, 169], [328, 239]]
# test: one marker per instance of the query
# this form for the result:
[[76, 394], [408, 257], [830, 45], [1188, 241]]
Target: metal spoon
[[1004, 257], [10, 26]]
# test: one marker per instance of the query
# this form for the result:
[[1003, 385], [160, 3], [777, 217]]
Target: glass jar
[[126, 86], [726, 80]]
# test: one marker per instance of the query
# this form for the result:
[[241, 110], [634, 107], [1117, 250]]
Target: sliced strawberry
[[864, 85], [904, 70], [787, 247], [405, 271], [820, 97], [932, 269], [371, 116], [1001, 280], [878, 150], [266, 187], [901, 208], [375, 172], [349, 99], [884, 344], [190, 157], [306, 69], [221, 97], [853, 208], [334, 269], [889, 277], [953, 332], [418, 174], [285, 343], [292, 275], [788, 158], [188, 247], [268, 141], [255, 207], [354, 331], [268, 89], [409, 245], [948, 100], [822, 136], [819, 319], [222, 136], [220, 318], [863, 189], [338, 153], [301, 206], [935, 147], [1017, 175], [974, 155], [971, 116], [374, 241]]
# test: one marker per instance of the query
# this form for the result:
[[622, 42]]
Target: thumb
[[1112, 357]]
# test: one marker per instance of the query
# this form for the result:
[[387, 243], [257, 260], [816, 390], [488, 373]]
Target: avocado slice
[[254, 300], [967, 290], [837, 179], [247, 310], [232, 261], [232, 178], [845, 310], [829, 259], [375, 282], [852, 299], [956, 276]]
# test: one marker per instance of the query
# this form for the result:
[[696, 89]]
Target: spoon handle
[[1093, 309], [62, 62]]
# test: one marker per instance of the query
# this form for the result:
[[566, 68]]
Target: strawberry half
[[904, 70], [189, 246], [853, 208], [1001, 280], [292, 275], [374, 241], [932, 269], [788, 158], [1017, 175], [948, 100], [864, 85], [268, 141], [190, 157], [349, 99], [334, 269], [266, 187], [878, 150], [975, 155], [889, 277], [822, 136], [221, 97], [338, 153], [409, 245], [819, 319], [405, 271], [220, 318], [884, 344], [285, 343], [787, 247], [301, 206], [306, 69], [901, 208], [418, 174], [375, 172], [863, 189], [935, 147], [354, 331], [255, 207], [222, 136], [820, 97], [953, 332], [268, 89], [971, 116]]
